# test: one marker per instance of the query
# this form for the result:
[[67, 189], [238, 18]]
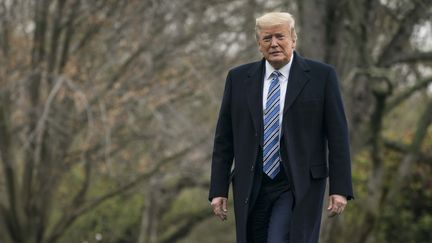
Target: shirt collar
[[283, 70]]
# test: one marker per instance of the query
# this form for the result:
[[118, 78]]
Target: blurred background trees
[[108, 107]]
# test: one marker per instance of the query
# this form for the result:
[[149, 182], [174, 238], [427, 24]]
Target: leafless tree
[[370, 43], [126, 92], [92, 87]]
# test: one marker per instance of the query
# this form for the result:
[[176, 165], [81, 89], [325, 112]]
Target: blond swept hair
[[275, 18]]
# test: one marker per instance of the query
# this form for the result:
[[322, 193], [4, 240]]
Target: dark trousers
[[270, 217]]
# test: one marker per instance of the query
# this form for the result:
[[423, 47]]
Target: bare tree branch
[[71, 215], [187, 226], [402, 35], [413, 153], [412, 57], [394, 102]]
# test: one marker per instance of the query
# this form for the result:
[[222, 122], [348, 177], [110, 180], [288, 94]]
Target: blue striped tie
[[271, 155]]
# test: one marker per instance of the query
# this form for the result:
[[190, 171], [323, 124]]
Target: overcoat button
[[252, 168], [247, 200]]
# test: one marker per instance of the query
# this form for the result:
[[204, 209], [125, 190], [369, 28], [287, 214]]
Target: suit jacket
[[315, 142]]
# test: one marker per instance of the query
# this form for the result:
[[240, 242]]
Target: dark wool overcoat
[[315, 142]]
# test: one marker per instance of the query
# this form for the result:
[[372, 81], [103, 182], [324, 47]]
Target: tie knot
[[276, 74]]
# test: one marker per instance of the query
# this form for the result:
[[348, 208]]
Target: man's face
[[276, 44]]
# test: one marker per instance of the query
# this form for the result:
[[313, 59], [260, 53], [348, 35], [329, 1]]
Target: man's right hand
[[219, 205]]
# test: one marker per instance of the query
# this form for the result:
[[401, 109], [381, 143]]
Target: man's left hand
[[337, 204]]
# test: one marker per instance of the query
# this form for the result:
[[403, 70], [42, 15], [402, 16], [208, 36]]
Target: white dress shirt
[[283, 79]]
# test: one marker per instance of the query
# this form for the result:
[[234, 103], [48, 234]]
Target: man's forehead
[[280, 28]]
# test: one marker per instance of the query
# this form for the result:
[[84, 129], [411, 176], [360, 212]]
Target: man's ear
[[294, 44], [258, 45]]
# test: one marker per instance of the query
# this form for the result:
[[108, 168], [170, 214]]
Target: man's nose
[[274, 42]]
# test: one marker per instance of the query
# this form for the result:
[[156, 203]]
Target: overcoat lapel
[[254, 84], [297, 79], [254, 87]]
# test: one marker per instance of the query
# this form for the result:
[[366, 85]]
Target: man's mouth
[[274, 52]]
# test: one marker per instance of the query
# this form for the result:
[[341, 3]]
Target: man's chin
[[277, 63]]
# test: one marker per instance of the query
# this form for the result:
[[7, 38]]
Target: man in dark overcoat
[[283, 124]]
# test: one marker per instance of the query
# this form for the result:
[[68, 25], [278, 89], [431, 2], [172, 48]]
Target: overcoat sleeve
[[336, 130], [223, 149]]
